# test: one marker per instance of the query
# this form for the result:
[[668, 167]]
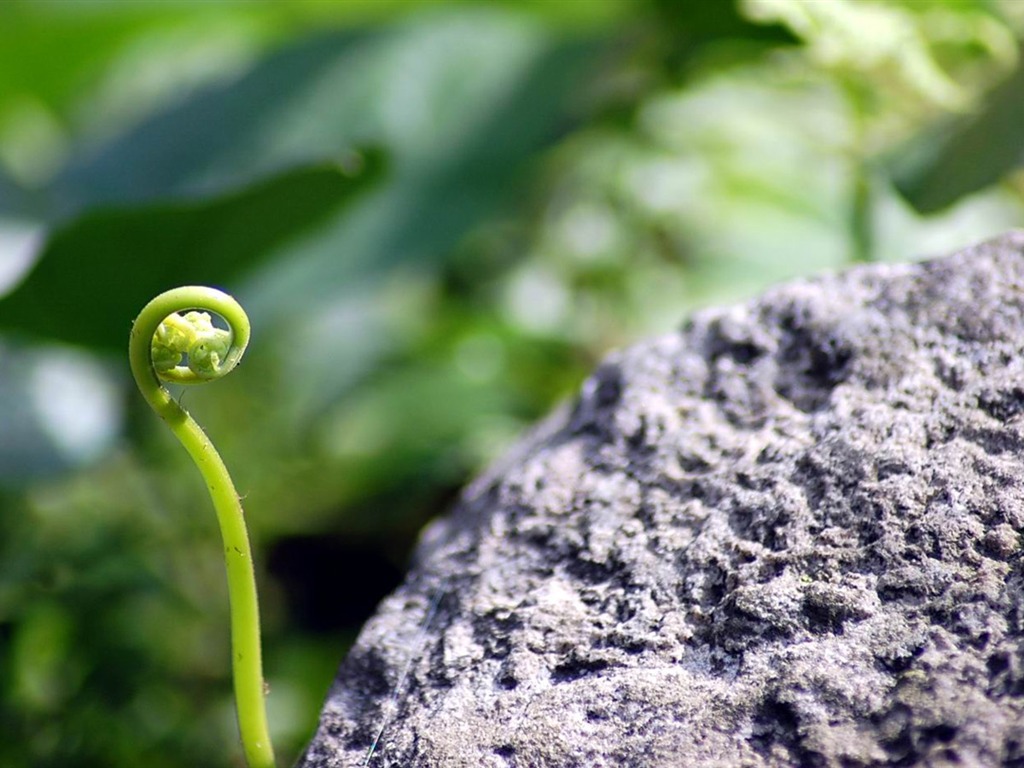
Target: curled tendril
[[172, 327], [178, 324]]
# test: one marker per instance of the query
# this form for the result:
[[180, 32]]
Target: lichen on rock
[[786, 535]]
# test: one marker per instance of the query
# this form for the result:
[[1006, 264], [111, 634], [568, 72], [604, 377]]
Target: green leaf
[[87, 40], [457, 163], [223, 137], [97, 272], [464, 103], [966, 154]]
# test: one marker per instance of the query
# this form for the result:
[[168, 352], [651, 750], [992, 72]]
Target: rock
[[787, 535]]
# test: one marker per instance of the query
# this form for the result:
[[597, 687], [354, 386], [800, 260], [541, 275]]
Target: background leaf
[[136, 253], [221, 137], [964, 154]]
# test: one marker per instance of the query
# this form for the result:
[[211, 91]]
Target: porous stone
[[787, 535]]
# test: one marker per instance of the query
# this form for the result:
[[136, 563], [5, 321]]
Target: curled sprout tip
[[194, 335], [174, 340]]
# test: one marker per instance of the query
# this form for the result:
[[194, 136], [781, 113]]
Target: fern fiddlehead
[[174, 340]]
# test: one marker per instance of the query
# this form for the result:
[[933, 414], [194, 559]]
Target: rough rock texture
[[784, 536]]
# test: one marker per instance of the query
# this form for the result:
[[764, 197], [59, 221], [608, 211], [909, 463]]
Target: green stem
[[245, 622]]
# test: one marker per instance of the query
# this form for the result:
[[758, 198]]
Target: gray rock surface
[[785, 536]]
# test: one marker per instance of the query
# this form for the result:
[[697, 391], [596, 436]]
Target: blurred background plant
[[439, 216]]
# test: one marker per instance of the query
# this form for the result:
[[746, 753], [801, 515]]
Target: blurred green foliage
[[439, 216]]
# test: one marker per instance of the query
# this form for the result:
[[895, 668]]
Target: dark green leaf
[[97, 272], [221, 138], [964, 155]]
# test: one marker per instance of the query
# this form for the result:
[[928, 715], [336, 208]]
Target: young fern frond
[[162, 337]]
